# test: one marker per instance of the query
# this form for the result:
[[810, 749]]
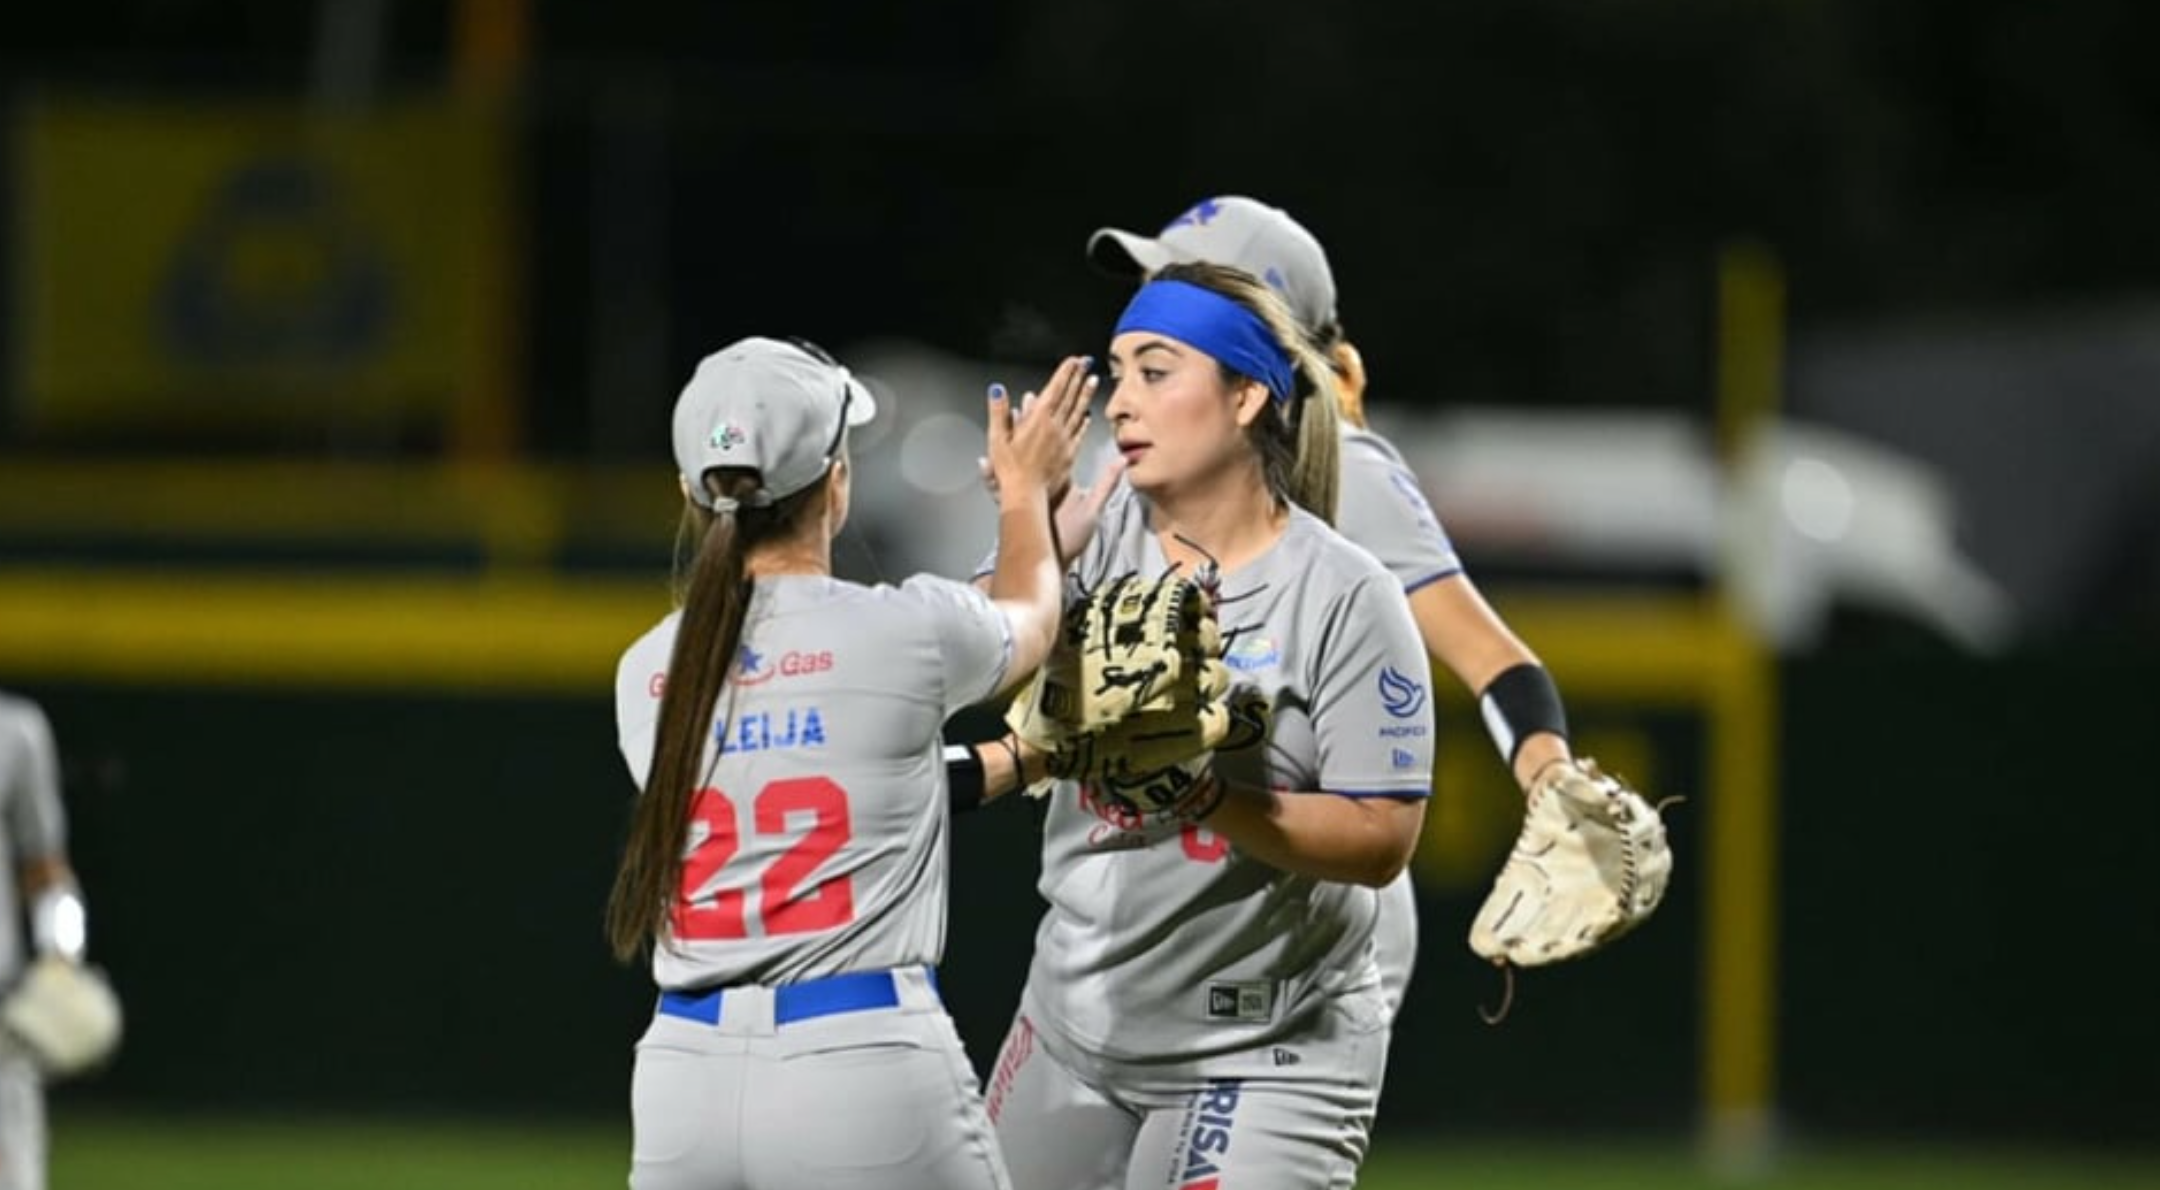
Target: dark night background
[[1524, 202]]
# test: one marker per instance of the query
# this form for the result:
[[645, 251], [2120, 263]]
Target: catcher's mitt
[[1590, 864], [1136, 687], [64, 1015]]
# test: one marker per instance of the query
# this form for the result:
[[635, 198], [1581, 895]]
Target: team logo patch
[[753, 668], [1402, 695], [728, 436], [1241, 1001], [1403, 758], [1253, 653]]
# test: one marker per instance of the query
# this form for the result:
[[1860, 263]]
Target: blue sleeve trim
[[1402, 793], [1429, 580]]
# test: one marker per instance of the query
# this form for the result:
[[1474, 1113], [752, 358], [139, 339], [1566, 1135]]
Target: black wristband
[[963, 778], [1520, 703], [1013, 750]]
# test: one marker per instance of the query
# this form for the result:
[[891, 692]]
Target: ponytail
[[715, 598]]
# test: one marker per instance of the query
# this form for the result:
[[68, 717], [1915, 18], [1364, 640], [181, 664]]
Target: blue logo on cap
[[1202, 213], [1402, 696]]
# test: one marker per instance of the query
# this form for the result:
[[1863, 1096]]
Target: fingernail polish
[[997, 392]]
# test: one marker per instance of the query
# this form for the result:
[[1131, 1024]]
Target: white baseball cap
[[1237, 231], [779, 407]]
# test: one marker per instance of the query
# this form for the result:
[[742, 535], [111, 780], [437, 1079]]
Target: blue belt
[[854, 992]]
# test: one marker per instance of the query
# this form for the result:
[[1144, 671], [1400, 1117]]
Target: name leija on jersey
[[793, 727]]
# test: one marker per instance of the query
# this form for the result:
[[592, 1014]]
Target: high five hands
[[1076, 507], [1033, 447]]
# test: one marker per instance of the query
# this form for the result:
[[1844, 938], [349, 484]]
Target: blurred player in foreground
[[787, 860], [58, 1017], [1203, 1004]]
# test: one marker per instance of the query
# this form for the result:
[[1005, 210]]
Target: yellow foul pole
[[1740, 879], [489, 45]]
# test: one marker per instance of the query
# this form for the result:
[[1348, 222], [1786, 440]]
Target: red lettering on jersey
[[658, 685], [719, 914], [786, 907], [1117, 812], [828, 903], [794, 664], [1203, 845], [1019, 1045]]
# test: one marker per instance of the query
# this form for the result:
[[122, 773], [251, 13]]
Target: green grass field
[[112, 1153]]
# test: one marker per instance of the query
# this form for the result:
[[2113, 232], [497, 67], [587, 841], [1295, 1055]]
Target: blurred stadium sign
[[246, 267]]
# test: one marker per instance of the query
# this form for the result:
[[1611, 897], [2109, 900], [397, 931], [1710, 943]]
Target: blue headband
[[1207, 320]]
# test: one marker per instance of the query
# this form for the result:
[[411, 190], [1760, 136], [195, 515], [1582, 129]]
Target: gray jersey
[[30, 812], [1163, 943], [819, 840], [1383, 508]]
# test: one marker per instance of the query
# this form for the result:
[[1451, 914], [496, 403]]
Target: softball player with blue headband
[[1216, 325], [786, 860], [1383, 508], [1204, 1005]]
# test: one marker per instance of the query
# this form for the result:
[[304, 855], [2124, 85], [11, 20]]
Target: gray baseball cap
[[1234, 230], [776, 406]]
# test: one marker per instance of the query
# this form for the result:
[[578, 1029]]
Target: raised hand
[[1034, 453]]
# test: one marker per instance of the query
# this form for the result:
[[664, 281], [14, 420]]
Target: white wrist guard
[[59, 925]]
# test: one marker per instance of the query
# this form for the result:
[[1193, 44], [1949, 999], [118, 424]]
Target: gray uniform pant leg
[[22, 1125], [1291, 1117], [879, 1100], [1057, 1131], [1261, 1134]]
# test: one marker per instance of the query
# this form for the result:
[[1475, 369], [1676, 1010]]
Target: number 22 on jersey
[[784, 905]]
